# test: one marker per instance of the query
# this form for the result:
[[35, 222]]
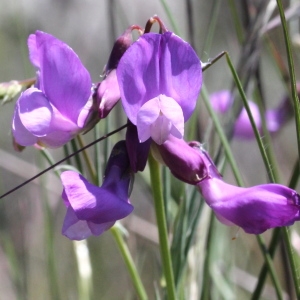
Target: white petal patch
[[158, 118]]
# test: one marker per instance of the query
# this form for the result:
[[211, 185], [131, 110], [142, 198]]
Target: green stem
[[290, 253], [206, 283], [264, 270], [233, 164], [291, 71], [87, 158], [222, 136], [297, 118], [118, 238], [129, 263], [269, 262], [162, 226]]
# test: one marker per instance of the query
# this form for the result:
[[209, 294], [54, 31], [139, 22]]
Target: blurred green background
[[34, 257]]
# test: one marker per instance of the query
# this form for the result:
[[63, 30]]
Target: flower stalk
[[162, 226]]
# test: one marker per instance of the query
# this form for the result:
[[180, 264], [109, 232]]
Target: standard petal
[[22, 136], [159, 64], [138, 74], [35, 112], [180, 72], [66, 81]]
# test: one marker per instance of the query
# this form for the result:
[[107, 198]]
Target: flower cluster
[[275, 118], [158, 79]]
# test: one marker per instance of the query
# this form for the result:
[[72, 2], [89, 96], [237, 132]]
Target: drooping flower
[[56, 109], [255, 209], [160, 78], [91, 210], [275, 118]]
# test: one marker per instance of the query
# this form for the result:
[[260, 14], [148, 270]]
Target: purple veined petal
[[181, 72], [93, 203], [159, 64], [22, 136], [35, 112], [138, 75], [66, 82]]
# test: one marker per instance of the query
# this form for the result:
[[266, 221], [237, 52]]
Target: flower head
[[254, 209], [91, 209], [160, 78], [55, 110]]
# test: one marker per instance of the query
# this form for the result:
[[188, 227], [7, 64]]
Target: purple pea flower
[[160, 78], [221, 101], [56, 109], [255, 209], [275, 118], [91, 210]]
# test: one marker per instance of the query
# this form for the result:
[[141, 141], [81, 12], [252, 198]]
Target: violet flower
[[56, 109], [254, 209], [91, 210], [160, 78], [275, 118]]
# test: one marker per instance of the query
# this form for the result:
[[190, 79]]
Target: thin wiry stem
[[62, 160]]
